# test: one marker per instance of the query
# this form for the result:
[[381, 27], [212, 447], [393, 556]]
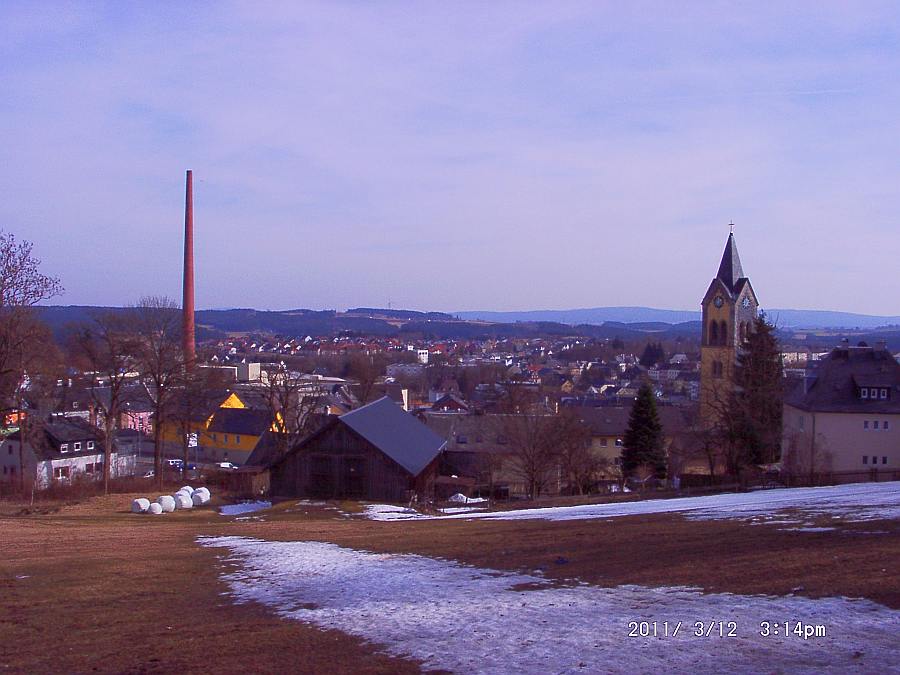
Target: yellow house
[[229, 433], [608, 426]]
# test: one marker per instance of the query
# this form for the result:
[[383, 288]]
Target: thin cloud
[[502, 155]]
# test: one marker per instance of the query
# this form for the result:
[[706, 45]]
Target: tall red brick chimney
[[187, 301]]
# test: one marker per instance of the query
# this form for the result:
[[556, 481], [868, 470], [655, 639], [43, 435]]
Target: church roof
[[730, 270]]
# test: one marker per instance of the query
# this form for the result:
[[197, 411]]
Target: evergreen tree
[[653, 355], [643, 442], [757, 402]]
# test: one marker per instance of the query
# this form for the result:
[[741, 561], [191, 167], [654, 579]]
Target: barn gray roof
[[396, 433]]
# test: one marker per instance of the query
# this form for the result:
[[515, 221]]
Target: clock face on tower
[[718, 302], [746, 302]]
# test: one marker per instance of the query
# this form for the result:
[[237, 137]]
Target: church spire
[[730, 269]]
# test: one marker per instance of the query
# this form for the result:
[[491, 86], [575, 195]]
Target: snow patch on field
[[472, 620], [462, 509], [389, 512], [244, 507], [852, 503]]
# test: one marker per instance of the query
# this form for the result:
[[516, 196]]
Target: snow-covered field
[[243, 507], [466, 619], [854, 502]]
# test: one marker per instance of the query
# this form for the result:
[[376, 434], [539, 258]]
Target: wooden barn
[[377, 452]]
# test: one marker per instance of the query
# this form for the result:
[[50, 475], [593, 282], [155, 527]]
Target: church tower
[[729, 309]]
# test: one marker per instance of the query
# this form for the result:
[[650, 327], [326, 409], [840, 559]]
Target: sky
[[455, 155]]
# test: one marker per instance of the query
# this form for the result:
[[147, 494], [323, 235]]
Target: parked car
[[228, 466], [149, 474], [176, 464]]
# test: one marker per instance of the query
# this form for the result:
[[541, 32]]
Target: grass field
[[90, 587]]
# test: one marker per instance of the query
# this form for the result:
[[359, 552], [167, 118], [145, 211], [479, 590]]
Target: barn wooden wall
[[339, 464]]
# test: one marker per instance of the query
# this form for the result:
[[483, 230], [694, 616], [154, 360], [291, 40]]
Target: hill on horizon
[[783, 318]]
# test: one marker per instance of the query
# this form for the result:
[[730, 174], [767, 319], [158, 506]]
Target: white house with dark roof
[[57, 452], [845, 418]]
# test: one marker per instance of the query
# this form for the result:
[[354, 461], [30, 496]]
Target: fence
[[840, 477]]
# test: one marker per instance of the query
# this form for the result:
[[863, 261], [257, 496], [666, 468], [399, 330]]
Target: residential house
[[60, 451], [843, 420], [609, 424]]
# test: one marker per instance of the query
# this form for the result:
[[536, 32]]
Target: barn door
[[322, 481], [354, 475]]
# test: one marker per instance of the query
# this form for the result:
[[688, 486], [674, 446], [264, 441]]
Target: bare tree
[[24, 340], [198, 390], [21, 287], [157, 325], [572, 438], [109, 346], [366, 371], [529, 426], [806, 455], [702, 441], [295, 402], [41, 366]]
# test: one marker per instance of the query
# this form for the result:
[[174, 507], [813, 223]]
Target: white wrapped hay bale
[[167, 502], [204, 490], [188, 489], [182, 492], [199, 498], [155, 509], [140, 505], [182, 501]]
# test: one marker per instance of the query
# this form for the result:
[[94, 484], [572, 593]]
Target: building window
[[885, 425], [864, 392], [865, 424], [618, 442], [224, 439], [713, 333], [64, 447], [61, 472], [90, 445], [884, 460], [802, 422], [76, 445], [462, 439], [865, 459], [603, 443], [74, 405], [884, 393], [875, 425]]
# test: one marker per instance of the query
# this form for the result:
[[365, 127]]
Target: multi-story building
[[845, 417]]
